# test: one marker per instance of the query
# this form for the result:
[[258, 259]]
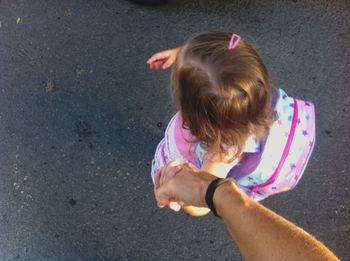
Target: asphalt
[[81, 115]]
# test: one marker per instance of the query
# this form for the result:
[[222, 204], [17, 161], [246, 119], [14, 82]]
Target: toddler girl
[[231, 121]]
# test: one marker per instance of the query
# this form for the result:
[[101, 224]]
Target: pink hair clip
[[235, 38]]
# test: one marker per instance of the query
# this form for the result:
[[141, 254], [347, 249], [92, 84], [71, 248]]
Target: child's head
[[224, 94]]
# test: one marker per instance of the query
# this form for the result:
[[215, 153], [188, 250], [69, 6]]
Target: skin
[[218, 168], [259, 233], [211, 165], [163, 60]]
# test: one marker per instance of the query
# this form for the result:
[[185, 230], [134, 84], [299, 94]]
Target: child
[[231, 120]]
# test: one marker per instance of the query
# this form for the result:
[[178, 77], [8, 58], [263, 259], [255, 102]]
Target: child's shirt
[[267, 167]]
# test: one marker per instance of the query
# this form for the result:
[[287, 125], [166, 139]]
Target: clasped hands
[[179, 185]]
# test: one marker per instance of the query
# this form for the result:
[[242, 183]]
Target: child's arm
[[217, 168], [163, 59]]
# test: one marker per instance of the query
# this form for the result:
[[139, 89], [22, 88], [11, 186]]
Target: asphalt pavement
[[81, 115]]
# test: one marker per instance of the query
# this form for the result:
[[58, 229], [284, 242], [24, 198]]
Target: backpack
[[275, 167]]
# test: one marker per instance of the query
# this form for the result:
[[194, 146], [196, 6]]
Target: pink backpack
[[276, 165]]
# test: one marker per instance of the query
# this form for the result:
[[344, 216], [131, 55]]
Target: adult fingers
[[171, 172], [191, 167], [156, 178], [169, 169], [162, 197], [162, 175]]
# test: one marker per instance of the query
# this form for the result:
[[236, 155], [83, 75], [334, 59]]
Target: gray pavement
[[81, 114]]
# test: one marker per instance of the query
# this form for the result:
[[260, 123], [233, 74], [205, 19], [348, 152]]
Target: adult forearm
[[261, 234]]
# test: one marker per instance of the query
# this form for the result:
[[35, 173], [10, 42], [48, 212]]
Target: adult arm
[[259, 233]]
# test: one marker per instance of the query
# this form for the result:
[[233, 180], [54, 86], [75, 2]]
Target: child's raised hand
[[163, 59]]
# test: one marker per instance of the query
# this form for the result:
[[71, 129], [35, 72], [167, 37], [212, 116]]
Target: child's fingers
[[153, 58], [156, 65], [171, 59], [158, 56], [174, 206], [169, 62]]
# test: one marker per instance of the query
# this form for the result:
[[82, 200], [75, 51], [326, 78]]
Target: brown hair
[[223, 95]]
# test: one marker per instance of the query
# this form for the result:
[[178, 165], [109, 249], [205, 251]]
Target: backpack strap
[[285, 151]]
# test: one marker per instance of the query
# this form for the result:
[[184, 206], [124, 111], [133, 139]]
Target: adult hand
[[259, 233], [163, 59], [183, 184]]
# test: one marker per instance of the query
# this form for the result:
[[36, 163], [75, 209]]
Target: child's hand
[[163, 59]]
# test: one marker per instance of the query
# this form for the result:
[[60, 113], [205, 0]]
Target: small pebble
[[50, 86]]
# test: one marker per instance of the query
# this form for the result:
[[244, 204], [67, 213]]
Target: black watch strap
[[209, 195]]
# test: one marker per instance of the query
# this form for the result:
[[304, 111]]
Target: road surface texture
[[81, 115]]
